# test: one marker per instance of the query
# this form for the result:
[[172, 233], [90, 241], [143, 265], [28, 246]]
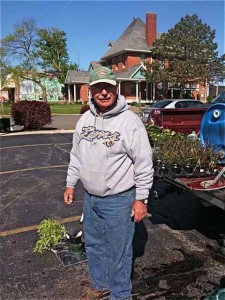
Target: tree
[[52, 51], [185, 54], [28, 49], [20, 49]]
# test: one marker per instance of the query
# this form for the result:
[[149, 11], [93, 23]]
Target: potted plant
[[177, 155], [50, 234], [68, 248]]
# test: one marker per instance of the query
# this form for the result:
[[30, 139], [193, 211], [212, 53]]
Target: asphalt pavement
[[177, 253]]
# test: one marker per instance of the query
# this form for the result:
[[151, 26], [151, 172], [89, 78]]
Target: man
[[112, 157]]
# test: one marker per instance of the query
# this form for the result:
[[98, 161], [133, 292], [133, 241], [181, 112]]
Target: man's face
[[104, 94]]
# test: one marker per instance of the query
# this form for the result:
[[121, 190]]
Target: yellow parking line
[[31, 169], [34, 227], [34, 145]]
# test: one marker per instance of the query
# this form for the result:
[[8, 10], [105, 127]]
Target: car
[[220, 98], [168, 103]]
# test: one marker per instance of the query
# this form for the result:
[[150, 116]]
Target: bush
[[84, 108], [31, 114], [210, 98], [136, 104]]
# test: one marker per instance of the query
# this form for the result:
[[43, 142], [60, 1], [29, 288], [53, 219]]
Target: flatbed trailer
[[212, 196]]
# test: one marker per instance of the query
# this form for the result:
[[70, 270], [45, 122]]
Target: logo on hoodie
[[91, 134]]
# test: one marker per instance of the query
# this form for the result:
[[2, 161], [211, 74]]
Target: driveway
[[176, 252]]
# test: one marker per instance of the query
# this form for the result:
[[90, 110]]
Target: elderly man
[[112, 157]]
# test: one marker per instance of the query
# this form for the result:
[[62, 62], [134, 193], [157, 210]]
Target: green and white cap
[[102, 74]]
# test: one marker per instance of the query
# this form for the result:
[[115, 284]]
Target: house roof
[[128, 74], [132, 39], [93, 65], [83, 77], [73, 76]]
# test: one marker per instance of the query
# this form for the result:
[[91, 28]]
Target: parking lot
[[177, 255]]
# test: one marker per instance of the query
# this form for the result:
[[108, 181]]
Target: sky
[[90, 25]]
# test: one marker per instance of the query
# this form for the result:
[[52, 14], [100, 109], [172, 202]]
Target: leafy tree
[[28, 49], [20, 49], [52, 51], [186, 53]]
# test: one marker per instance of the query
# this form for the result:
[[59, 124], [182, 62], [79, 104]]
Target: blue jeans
[[108, 236]]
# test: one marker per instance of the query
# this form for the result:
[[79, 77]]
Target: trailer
[[211, 195], [209, 126]]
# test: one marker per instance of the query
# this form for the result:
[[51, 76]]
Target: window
[[143, 57], [132, 88], [181, 104], [124, 59], [115, 60], [109, 64]]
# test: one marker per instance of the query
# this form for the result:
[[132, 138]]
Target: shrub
[[31, 114], [136, 104], [84, 108], [210, 98]]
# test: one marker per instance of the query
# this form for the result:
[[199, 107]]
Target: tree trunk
[[17, 93], [43, 90], [44, 93]]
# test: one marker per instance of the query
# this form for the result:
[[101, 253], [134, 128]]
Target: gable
[[138, 75], [132, 39]]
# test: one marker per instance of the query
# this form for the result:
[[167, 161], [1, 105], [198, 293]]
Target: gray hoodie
[[111, 153]]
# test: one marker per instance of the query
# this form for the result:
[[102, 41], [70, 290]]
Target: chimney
[[151, 22]]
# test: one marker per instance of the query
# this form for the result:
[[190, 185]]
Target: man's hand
[[139, 211], [69, 195]]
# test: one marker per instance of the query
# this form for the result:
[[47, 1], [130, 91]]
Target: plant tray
[[70, 252], [169, 172]]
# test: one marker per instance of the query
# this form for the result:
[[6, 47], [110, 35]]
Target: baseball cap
[[102, 74]]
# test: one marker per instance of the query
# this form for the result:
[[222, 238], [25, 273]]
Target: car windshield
[[220, 98], [161, 103]]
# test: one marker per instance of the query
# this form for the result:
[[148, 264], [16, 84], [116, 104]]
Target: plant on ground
[[84, 108], [31, 114], [50, 233]]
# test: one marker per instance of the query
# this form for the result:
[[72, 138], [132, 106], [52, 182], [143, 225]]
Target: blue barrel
[[212, 129]]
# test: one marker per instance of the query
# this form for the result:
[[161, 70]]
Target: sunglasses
[[97, 88]]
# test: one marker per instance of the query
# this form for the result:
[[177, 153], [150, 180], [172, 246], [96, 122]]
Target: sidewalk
[[67, 122], [64, 123]]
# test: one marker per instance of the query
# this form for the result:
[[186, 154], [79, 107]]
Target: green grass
[[65, 109], [5, 109], [56, 109]]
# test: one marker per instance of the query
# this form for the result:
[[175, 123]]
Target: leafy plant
[[170, 148], [84, 108], [31, 114], [50, 233]]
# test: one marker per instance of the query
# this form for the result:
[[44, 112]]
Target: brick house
[[126, 57]]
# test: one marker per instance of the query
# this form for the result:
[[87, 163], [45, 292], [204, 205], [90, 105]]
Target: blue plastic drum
[[212, 130]]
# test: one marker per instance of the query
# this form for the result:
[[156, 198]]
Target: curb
[[55, 131]]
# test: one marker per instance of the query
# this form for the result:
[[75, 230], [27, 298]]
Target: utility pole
[[78, 60]]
